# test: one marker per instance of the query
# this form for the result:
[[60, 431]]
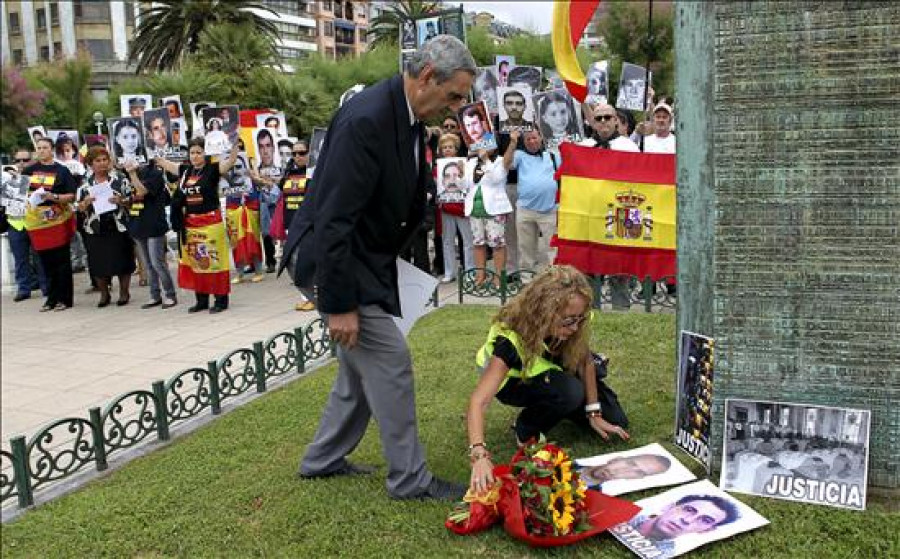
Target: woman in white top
[[487, 206]]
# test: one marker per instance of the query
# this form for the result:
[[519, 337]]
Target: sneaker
[[152, 303], [348, 469], [441, 490], [305, 306], [448, 279], [257, 278], [169, 303], [237, 280]]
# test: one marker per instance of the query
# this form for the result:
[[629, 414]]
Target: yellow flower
[[561, 505], [562, 471], [543, 455]]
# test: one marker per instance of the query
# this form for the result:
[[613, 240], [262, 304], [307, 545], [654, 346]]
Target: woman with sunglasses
[[537, 358], [293, 191]]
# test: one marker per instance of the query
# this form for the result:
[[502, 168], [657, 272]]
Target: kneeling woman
[[537, 358], [204, 264]]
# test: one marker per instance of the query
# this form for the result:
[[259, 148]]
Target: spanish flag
[[242, 225], [204, 263], [616, 212]]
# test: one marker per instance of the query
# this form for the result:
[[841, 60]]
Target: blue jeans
[[29, 272], [152, 252]]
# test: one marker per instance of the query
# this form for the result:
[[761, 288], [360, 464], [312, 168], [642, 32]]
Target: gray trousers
[[374, 378], [152, 253]]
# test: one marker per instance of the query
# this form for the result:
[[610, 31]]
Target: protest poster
[[405, 56], [268, 160], [14, 193], [641, 468], [476, 127], [178, 128], [157, 135], [66, 150], [485, 87], [632, 87], [36, 133], [127, 139], [237, 179], [197, 124], [684, 518], [554, 81], [427, 28], [515, 109], [135, 104], [525, 76], [598, 83], [274, 121], [558, 118], [416, 289], [315, 148], [220, 126], [797, 452], [504, 63], [284, 148], [453, 23], [451, 180], [408, 35], [694, 396]]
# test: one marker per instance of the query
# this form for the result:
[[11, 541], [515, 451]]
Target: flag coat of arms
[[616, 212]]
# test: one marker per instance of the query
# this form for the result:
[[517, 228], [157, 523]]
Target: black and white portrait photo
[[485, 87], [558, 117], [408, 35], [127, 138], [632, 87], [516, 109], [427, 29], [315, 147], [135, 104], [598, 83], [525, 76], [197, 125]]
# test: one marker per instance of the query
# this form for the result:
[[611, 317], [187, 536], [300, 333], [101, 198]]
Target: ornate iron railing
[[69, 445]]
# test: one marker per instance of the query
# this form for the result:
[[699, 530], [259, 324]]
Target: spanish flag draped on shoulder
[[616, 212]]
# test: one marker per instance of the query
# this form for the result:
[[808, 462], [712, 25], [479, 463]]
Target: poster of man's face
[[485, 87], [515, 108], [598, 83], [453, 24], [238, 178], [558, 117], [198, 129], [632, 87], [267, 155], [475, 124], [427, 29], [275, 122], [405, 57], [641, 468], [135, 104], [36, 133], [408, 35], [504, 63], [693, 419], [156, 132], [798, 452], [525, 76], [685, 518], [285, 146], [315, 149], [127, 139], [451, 181]]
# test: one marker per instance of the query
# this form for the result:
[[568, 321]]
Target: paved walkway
[[59, 364]]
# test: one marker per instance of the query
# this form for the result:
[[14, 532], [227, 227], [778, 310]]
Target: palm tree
[[68, 86], [171, 28], [385, 29]]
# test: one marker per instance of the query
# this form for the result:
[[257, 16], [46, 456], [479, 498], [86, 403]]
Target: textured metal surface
[[789, 204]]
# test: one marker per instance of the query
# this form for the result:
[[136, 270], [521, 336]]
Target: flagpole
[[647, 68]]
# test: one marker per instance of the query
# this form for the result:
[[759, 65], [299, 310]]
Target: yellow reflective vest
[[538, 366]]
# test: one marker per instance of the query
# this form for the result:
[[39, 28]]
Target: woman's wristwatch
[[593, 410]]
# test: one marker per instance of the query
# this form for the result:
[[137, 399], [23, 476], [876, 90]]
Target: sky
[[527, 15]]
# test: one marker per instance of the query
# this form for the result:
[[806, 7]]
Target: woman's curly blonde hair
[[534, 313]]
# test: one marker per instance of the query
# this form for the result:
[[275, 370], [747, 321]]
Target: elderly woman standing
[[204, 263], [110, 250], [451, 204]]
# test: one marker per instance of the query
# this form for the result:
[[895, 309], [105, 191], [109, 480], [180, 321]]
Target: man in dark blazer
[[366, 201]]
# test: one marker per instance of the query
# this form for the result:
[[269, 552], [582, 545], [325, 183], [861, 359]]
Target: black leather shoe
[[441, 490], [216, 309], [348, 469], [197, 308], [152, 304], [21, 297]]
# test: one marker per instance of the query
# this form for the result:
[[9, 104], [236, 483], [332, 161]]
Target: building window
[[18, 58], [91, 12], [329, 28], [45, 53], [327, 7], [14, 27], [287, 7], [287, 53], [41, 16], [361, 33], [57, 50], [100, 49], [129, 13], [54, 14]]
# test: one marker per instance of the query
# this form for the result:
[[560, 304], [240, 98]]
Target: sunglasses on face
[[572, 321], [300, 152], [26, 160], [603, 118]]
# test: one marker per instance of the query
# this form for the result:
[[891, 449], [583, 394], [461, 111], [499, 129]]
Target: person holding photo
[[488, 207], [110, 251], [537, 357], [205, 262], [293, 191], [451, 203], [476, 127], [28, 270]]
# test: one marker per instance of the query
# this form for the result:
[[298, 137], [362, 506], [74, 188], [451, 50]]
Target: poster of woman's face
[[315, 149], [65, 145], [475, 124], [504, 63], [485, 87], [36, 133], [525, 76], [135, 104], [641, 468], [451, 180], [428, 29], [198, 130], [598, 83], [558, 117], [127, 138], [156, 132], [221, 128], [275, 122], [632, 87], [515, 109]]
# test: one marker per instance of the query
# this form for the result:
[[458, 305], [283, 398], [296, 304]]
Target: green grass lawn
[[230, 489]]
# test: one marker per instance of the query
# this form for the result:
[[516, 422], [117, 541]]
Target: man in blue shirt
[[536, 206]]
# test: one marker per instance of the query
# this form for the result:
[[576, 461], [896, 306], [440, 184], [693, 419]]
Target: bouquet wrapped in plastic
[[541, 500]]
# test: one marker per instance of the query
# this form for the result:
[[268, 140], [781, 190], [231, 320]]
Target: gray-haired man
[[343, 245]]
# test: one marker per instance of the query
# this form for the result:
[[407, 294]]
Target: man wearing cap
[[136, 106], [662, 140]]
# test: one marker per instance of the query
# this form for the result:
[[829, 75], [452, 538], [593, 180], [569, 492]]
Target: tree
[[170, 29], [385, 29], [68, 87], [20, 104], [238, 51], [304, 101], [625, 31]]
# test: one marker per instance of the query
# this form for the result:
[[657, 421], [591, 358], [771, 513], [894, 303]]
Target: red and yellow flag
[[242, 225], [617, 212], [204, 263]]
